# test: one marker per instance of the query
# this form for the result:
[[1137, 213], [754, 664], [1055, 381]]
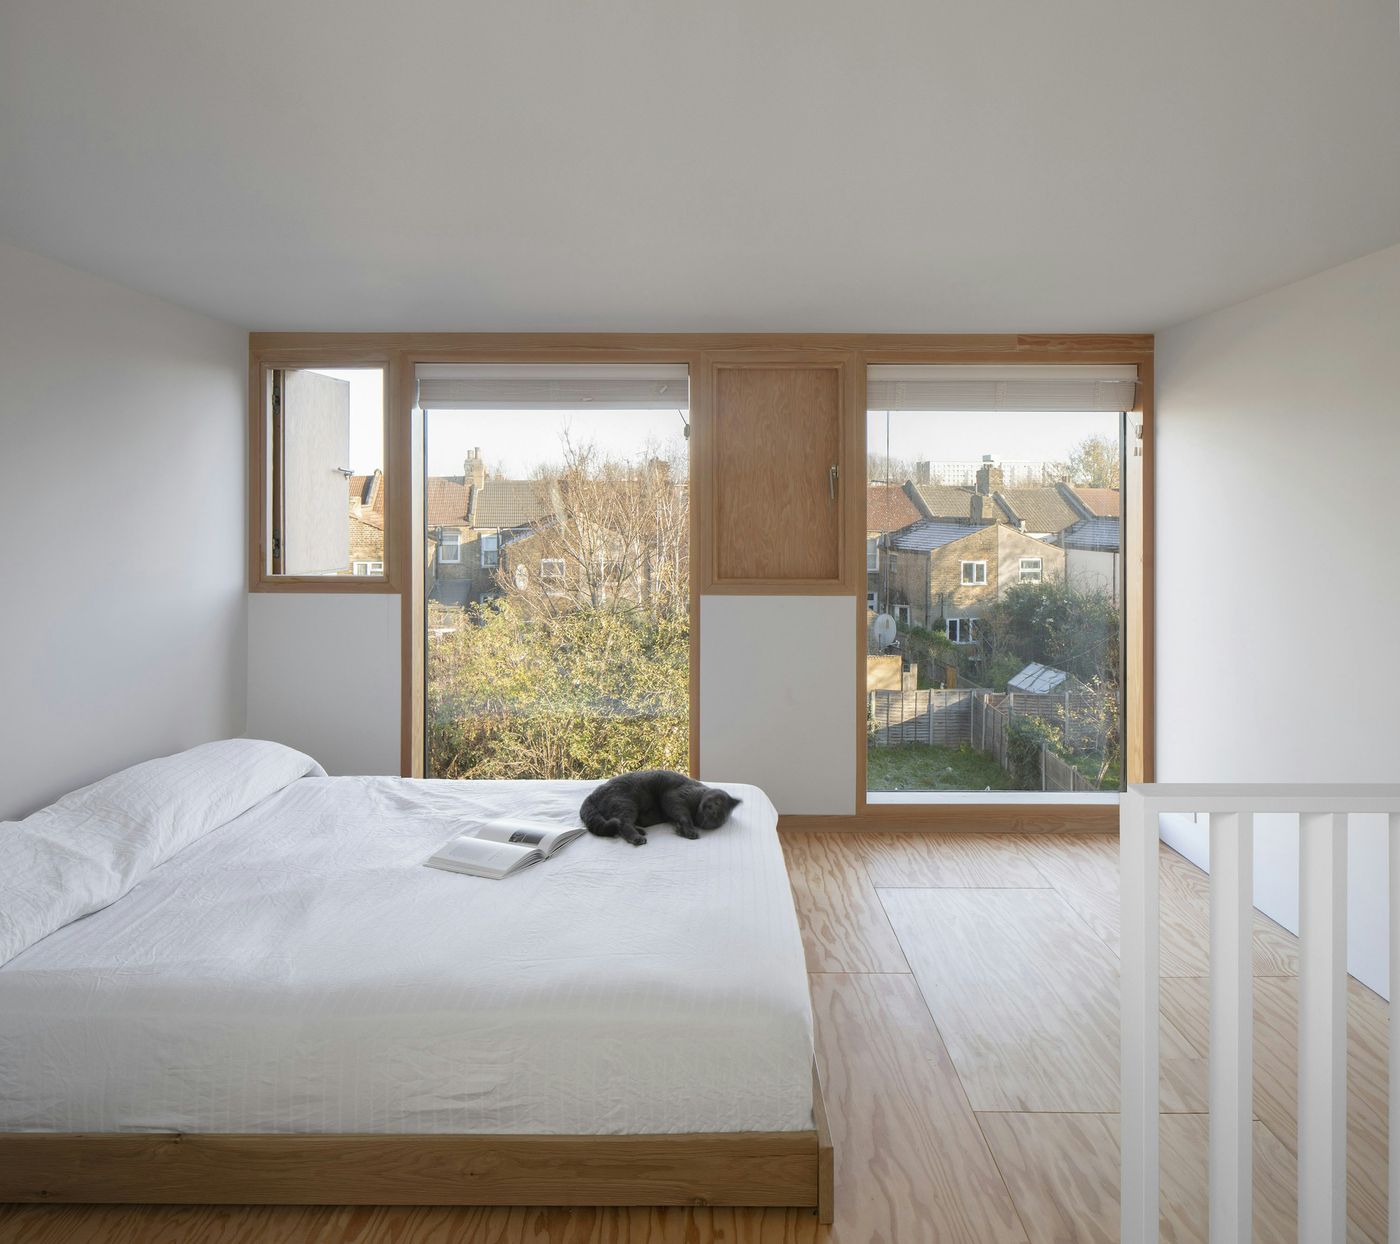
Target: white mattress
[[299, 970]]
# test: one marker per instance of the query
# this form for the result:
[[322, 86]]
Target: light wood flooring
[[965, 992]]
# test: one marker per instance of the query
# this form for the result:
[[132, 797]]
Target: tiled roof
[[509, 503], [888, 508], [1043, 509], [1096, 534], [929, 534], [368, 491], [1105, 502], [941, 501], [447, 498]]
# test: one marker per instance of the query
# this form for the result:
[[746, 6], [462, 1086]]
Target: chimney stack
[[474, 468], [989, 477]]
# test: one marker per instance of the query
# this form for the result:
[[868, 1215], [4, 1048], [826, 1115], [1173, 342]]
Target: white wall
[[771, 713], [1277, 584], [122, 528], [323, 677]]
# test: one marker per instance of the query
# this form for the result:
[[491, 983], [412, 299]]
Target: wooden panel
[[965, 818], [1063, 1173], [776, 432], [1026, 999], [938, 861], [844, 927], [1085, 872], [753, 1168], [911, 1163]]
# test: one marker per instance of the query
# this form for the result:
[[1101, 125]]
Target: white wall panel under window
[[777, 698]]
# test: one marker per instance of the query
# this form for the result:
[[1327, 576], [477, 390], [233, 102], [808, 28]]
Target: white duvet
[[298, 969]]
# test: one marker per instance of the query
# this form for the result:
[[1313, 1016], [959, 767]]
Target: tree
[[580, 668], [1093, 463]]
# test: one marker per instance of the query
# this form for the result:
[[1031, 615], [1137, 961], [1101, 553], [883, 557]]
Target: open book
[[500, 847]]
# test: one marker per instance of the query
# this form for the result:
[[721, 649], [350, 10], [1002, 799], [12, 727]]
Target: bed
[[232, 980]]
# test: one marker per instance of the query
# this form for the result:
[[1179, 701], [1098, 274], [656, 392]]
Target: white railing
[[1323, 813]]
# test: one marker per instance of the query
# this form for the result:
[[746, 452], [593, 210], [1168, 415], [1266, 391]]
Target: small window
[[901, 614], [890, 562], [490, 550], [974, 573], [960, 630], [323, 505], [450, 549], [1031, 569], [872, 554], [552, 568], [872, 601]]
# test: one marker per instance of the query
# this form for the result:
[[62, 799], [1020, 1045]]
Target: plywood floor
[[965, 994]]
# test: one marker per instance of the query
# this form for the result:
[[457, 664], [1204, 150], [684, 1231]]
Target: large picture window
[[558, 569], [994, 500]]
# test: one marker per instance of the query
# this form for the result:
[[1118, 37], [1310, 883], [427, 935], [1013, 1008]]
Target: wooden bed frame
[[180, 1168]]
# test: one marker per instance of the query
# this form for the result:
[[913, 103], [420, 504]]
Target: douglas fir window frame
[[399, 353], [263, 366]]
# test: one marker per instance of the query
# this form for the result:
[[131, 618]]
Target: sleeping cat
[[626, 806]]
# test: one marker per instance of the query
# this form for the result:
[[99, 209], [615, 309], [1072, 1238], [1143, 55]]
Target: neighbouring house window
[[890, 562], [872, 554], [551, 568], [960, 630], [490, 550], [368, 568], [450, 550], [974, 573], [901, 614], [522, 578], [872, 601], [1031, 569]]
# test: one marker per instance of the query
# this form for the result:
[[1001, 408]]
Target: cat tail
[[603, 826]]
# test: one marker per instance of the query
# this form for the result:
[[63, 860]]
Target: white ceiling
[[921, 165]]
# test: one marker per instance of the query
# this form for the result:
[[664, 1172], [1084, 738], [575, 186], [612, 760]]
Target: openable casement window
[[325, 502]]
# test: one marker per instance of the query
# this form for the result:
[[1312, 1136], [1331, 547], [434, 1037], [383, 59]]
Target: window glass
[[558, 570], [325, 472], [993, 549]]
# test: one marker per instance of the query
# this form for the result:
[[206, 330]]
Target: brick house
[[469, 520], [367, 524], [887, 509], [944, 574]]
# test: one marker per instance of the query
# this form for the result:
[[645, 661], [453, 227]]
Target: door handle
[[831, 477]]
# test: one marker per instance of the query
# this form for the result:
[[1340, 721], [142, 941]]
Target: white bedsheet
[[299, 970]]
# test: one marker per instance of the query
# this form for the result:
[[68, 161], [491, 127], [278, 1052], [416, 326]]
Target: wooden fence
[[943, 718], [977, 716]]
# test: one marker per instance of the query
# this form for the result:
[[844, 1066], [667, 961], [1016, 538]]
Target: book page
[[476, 853], [548, 837]]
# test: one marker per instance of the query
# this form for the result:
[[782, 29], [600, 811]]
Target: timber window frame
[[266, 372], [974, 574], [401, 352]]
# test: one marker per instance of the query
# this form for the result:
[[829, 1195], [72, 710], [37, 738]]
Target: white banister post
[[1138, 977], [1231, 1027], [1322, 1028], [1394, 1036]]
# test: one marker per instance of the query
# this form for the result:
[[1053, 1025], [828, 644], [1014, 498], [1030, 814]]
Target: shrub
[[1025, 737]]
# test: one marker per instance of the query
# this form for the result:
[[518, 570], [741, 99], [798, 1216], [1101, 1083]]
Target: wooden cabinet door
[[780, 470]]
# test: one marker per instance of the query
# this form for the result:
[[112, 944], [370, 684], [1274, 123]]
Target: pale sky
[[515, 442], [943, 436]]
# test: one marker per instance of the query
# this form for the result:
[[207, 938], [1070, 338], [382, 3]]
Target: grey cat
[[625, 807]]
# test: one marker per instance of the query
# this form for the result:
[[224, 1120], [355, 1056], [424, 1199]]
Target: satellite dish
[[884, 630]]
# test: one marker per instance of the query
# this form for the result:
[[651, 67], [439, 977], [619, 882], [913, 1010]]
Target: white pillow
[[88, 849]]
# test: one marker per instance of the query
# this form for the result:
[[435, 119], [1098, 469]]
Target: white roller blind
[[549, 386], [1003, 387]]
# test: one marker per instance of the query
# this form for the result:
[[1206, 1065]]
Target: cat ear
[[733, 802]]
